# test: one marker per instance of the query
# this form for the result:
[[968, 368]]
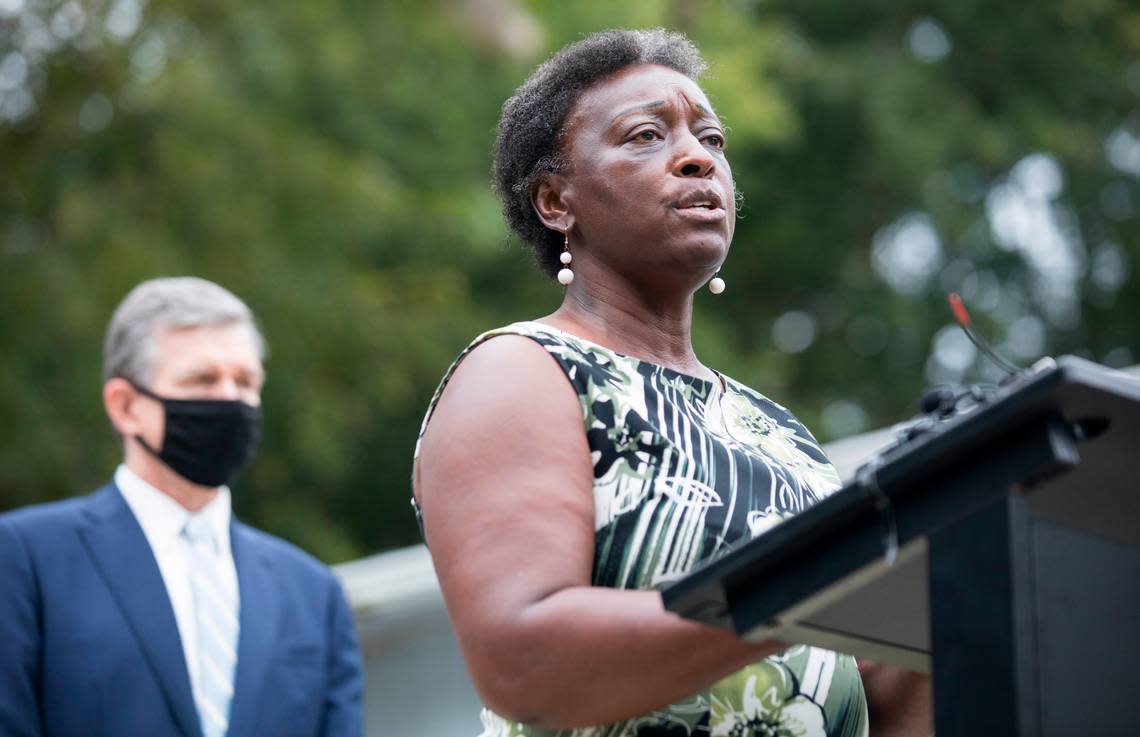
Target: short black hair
[[533, 120]]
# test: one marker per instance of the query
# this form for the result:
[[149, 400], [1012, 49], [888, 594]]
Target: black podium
[[1000, 551]]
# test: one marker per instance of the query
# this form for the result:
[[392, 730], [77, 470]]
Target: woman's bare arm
[[505, 482], [899, 701]]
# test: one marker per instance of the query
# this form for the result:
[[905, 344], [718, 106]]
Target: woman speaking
[[570, 466]]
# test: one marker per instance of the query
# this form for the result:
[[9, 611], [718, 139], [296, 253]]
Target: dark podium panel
[[1000, 551]]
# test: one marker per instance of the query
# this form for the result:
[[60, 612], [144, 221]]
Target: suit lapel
[[124, 559], [259, 618]]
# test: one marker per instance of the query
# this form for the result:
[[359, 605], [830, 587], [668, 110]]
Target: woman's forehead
[[637, 87]]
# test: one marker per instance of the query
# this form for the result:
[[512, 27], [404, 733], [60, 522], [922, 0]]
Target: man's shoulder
[[52, 516]]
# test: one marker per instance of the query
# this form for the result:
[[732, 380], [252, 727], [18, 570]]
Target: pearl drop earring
[[565, 275], [716, 284]]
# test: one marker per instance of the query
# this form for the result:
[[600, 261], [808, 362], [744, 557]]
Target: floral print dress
[[684, 469]]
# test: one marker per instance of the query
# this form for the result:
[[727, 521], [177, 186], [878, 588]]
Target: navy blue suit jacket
[[89, 645]]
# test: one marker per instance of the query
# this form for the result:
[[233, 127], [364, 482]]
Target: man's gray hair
[[164, 304]]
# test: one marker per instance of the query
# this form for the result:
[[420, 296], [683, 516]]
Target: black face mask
[[206, 441]]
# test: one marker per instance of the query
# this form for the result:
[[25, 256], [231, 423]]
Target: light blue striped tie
[[216, 619]]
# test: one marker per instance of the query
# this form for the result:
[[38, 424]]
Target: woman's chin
[[687, 272], [703, 254]]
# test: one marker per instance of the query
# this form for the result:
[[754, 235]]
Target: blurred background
[[328, 162]]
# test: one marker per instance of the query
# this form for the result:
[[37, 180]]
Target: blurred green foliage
[[328, 162]]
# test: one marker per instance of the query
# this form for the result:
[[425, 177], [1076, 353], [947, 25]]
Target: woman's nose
[[693, 159]]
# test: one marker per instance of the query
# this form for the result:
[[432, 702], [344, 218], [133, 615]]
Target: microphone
[[943, 402], [962, 317]]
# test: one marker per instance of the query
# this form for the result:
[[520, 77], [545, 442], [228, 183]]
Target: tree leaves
[[329, 162]]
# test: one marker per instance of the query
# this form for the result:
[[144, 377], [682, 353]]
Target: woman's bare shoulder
[[506, 431], [509, 363], [508, 387]]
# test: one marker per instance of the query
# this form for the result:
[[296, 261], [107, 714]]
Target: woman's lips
[[700, 213], [702, 205]]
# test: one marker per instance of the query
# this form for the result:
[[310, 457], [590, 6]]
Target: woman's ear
[[550, 205]]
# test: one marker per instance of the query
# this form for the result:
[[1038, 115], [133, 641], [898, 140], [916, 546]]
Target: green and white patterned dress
[[684, 469]]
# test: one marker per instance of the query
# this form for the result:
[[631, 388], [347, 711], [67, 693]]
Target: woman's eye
[[715, 140], [646, 135]]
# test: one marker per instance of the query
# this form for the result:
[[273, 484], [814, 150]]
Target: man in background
[[145, 609]]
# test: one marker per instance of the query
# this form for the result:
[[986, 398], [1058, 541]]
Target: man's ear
[[118, 398], [549, 203]]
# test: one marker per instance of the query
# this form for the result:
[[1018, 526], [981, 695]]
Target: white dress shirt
[[162, 520]]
